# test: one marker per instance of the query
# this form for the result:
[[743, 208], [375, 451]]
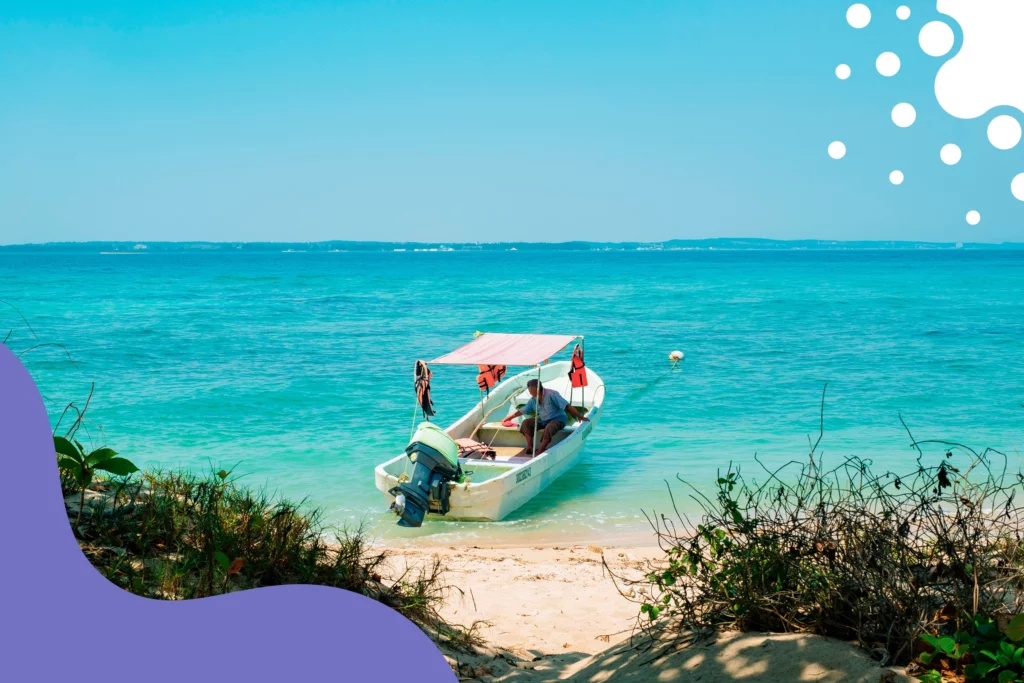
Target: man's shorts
[[545, 430]]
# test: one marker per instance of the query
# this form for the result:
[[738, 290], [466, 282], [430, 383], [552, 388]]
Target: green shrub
[[81, 467], [983, 652], [879, 559], [176, 535]]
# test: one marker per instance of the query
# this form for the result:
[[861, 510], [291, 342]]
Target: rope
[[650, 385], [412, 431], [381, 520], [490, 412]]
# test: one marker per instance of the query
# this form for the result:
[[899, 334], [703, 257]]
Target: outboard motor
[[435, 458]]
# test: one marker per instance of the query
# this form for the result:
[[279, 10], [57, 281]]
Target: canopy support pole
[[583, 389], [536, 415]]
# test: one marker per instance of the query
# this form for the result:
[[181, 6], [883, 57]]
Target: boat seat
[[508, 453], [497, 426]]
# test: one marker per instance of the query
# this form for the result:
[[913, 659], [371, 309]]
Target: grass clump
[[876, 558], [177, 535]]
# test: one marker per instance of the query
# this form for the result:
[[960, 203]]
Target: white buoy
[[675, 356]]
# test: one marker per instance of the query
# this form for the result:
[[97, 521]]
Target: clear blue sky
[[479, 120]]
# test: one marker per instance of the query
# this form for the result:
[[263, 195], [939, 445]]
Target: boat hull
[[518, 482]]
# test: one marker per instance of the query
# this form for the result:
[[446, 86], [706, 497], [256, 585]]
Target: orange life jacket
[[578, 371], [489, 376], [423, 375]]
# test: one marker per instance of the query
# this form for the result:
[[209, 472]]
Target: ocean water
[[294, 370]]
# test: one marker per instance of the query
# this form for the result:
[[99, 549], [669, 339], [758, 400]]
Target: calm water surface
[[295, 370]]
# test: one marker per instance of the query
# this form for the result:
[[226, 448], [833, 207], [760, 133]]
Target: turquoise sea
[[295, 369]]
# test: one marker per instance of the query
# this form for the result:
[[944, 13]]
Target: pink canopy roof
[[507, 349]]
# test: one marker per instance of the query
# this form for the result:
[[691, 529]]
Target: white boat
[[494, 488]]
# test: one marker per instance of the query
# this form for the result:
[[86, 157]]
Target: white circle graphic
[[936, 38], [1017, 186], [1004, 132], [837, 150], [888, 64], [858, 16], [843, 72], [950, 154], [973, 217], [902, 12], [904, 115], [896, 177]]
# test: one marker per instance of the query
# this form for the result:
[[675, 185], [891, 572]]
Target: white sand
[[554, 614]]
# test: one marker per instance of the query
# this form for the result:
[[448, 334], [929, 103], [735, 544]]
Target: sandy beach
[[553, 613]]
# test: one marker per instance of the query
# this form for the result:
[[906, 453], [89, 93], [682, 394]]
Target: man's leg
[[526, 428], [550, 429]]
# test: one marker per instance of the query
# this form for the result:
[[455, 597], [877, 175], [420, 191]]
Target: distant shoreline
[[338, 246]]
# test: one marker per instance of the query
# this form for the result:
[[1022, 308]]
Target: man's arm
[[525, 410], [507, 422]]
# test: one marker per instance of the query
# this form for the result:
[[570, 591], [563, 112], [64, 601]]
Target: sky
[[481, 120]]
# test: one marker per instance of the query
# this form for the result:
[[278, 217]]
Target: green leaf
[[118, 466], [931, 677], [1015, 629], [222, 560], [947, 645], [1006, 648], [100, 455], [70, 466], [979, 670], [931, 640], [984, 668], [223, 474], [926, 658], [1006, 676], [986, 628], [990, 655], [65, 447]]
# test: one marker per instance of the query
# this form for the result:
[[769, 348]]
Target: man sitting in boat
[[552, 414]]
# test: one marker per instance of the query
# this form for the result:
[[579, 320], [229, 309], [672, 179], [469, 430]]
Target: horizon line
[[823, 242]]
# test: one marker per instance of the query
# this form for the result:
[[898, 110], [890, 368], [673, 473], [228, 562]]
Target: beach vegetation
[[81, 467], [924, 568], [983, 652], [176, 535]]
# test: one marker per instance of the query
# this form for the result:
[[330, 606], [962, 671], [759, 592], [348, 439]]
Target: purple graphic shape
[[62, 620]]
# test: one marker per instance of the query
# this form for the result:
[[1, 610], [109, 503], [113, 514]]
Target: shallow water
[[295, 370]]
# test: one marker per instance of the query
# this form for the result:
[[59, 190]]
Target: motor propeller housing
[[435, 460]]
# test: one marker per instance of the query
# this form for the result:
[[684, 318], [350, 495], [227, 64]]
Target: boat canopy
[[507, 349]]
